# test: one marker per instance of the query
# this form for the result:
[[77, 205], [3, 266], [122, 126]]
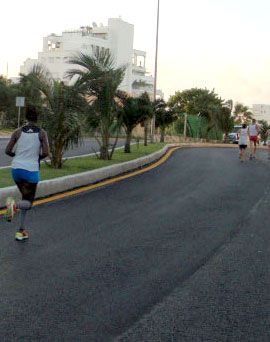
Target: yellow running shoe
[[20, 236]]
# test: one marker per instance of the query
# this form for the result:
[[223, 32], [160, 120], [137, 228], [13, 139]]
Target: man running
[[30, 146], [253, 131]]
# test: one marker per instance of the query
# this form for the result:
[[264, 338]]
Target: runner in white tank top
[[27, 146], [243, 141], [253, 131]]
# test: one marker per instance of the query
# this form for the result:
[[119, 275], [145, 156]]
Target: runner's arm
[[44, 145], [14, 138]]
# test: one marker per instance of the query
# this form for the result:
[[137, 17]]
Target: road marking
[[102, 183]]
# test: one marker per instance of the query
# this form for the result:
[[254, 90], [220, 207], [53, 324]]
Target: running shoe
[[20, 236], [11, 209], [251, 156]]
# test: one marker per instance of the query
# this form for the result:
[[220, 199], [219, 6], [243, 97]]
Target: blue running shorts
[[20, 175]]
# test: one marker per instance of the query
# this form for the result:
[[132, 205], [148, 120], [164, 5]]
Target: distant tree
[[225, 121], [8, 111], [164, 116], [198, 101], [264, 127]]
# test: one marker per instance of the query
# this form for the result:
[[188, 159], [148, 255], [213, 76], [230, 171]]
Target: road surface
[[180, 253]]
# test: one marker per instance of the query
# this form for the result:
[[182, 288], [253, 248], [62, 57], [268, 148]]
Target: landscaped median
[[83, 171]]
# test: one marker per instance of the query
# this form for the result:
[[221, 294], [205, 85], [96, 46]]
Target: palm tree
[[98, 80], [130, 116], [146, 108], [164, 116], [61, 107], [242, 113]]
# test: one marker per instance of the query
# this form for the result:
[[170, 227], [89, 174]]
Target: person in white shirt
[[268, 143], [243, 141], [253, 132]]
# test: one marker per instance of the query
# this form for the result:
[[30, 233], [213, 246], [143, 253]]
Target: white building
[[261, 112], [117, 38]]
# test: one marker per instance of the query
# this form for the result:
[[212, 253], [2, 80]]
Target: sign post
[[19, 103]]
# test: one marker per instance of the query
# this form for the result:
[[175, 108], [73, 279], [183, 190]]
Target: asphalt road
[[180, 253], [86, 147]]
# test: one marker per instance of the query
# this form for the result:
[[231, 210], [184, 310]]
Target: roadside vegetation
[[83, 164]]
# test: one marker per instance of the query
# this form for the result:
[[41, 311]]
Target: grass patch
[[6, 130], [78, 165]]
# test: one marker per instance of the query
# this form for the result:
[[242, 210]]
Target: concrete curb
[[53, 186]]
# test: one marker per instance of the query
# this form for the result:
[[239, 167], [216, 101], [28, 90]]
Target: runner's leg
[[255, 146], [244, 152], [28, 191], [250, 149]]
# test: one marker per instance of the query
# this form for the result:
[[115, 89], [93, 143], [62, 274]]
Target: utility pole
[[153, 128]]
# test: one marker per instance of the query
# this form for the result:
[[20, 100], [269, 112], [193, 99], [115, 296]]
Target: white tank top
[[243, 136], [27, 149], [253, 130]]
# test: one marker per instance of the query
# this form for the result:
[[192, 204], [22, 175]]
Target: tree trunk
[[162, 134], [104, 149], [114, 146], [145, 132], [127, 143], [56, 159]]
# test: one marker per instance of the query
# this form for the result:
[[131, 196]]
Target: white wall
[[261, 112], [121, 43]]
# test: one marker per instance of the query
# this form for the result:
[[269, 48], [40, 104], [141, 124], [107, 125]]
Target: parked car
[[233, 136]]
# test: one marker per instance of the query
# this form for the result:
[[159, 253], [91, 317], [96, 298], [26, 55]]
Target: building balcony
[[138, 69]]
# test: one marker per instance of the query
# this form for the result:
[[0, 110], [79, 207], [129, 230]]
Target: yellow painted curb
[[106, 182]]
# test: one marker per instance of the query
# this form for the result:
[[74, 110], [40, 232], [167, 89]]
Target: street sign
[[20, 101]]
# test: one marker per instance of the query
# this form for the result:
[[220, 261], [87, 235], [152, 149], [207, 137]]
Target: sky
[[213, 44]]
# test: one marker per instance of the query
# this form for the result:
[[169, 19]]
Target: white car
[[233, 136]]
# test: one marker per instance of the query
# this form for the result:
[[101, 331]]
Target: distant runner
[[253, 131], [27, 146], [268, 143], [243, 141]]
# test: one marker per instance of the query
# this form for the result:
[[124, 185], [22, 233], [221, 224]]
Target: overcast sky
[[220, 44]]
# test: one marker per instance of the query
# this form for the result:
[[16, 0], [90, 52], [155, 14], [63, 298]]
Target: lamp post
[[155, 76]]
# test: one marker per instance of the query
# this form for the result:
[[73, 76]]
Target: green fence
[[196, 128]]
